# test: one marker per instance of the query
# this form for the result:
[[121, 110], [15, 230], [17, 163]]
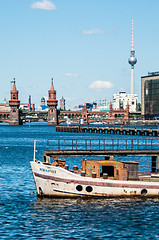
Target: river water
[[24, 216]]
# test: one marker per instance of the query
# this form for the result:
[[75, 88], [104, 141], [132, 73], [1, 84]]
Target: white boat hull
[[52, 181]]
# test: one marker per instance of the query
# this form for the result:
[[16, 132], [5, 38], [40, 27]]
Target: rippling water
[[24, 216]]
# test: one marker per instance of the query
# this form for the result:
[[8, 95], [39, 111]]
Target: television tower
[[132, 60]]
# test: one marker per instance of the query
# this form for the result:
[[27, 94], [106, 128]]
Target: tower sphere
[[132, 59]]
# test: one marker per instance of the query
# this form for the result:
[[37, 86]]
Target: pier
[[109, 130], [106, 148]]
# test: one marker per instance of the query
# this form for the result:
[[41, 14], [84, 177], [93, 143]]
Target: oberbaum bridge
[[54, 116]]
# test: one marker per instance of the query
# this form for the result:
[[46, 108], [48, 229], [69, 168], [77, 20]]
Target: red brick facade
[[52, 102], [90, 116], [14, 104]]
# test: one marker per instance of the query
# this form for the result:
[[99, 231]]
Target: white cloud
[[44, 4], [98, 31], [70, 75], [93, 31], [101, 85]]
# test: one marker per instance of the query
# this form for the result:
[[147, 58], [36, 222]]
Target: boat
[[68, 122], [97, 178], [98, 123]]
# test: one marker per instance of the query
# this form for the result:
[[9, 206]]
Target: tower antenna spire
[[132, 34], [132, 59]]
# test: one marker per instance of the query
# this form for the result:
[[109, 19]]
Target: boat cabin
[[111, 169], [107, 169]]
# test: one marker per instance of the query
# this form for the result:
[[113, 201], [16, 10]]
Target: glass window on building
[[151, 95]]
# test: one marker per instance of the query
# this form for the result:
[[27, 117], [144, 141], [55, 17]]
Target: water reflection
[[95, 218]]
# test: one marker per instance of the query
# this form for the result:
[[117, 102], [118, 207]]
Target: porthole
[[89, 189], [79, 188], [144, 191]]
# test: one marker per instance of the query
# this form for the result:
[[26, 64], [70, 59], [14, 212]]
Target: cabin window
[[107, 169]]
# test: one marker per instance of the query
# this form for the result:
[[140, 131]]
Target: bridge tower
[[14, 104], [52, 118]]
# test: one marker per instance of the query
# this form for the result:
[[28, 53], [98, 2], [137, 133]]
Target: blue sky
[[83, 44]]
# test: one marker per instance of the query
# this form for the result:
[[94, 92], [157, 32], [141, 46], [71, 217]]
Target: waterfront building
[[52, 106], [150, 96], [121, 100]]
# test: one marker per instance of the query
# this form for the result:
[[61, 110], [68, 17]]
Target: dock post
[[157, 163], [154, 164]]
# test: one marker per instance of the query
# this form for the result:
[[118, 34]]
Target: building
[[4, 113], [29, 107], [43, 105], [52, 102], [42, 102], [150, 96], [93, 115], [89, 106], [121, 100], [62, 104], [4, 103], [101, 102], [14, 104], [95, 105], [101, 105]]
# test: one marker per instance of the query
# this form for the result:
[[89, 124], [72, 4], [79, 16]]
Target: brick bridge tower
[[14, 104], [52, 118]]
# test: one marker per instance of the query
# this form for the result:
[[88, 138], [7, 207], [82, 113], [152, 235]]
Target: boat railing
[[150, 144]]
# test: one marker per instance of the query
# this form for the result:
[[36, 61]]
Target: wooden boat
[[96, 178]]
